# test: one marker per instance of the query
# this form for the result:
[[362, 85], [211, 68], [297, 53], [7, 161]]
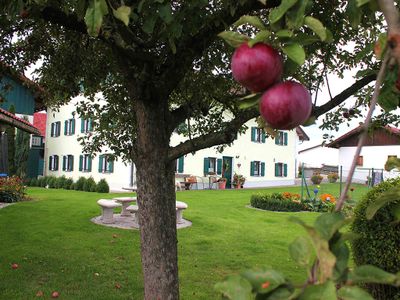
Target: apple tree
[[161, 68]]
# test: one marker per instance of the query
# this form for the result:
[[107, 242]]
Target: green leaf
[[316, 26], [234, 39], [284, 33], [354, 13], [326, 259], [260, 37], [342, 253], [249, 101], [290, 67], [103, 6], [326, 291], [235, 287], [149, 23], [295, 17], [389, 196], [295, 52], [304, 39], [371, 274], [328, 223], [396, 212], [94, 18], [172, 45], [380, 45], [122, 13], [165, 13], [264, 280], [310, 121], [361, 2], [353, 293], [281, 293], [277, 13], [300, 251], [252, 20]]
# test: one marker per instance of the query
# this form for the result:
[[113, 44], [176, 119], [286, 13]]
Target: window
[[212, 165], [53, 163], [280, 170], [55, 129], [179, 165], [37, 141], [106, 163], [257, 135], [85, 163], [69, 127], [257, 168], [360, 161], [86, 125], [68, 163], [281, 138]]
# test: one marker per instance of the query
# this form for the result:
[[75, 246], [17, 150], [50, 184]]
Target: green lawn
[[58, 248]]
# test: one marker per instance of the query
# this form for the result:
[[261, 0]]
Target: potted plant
[[238, 180], [316, 178], [222, 183], [333, 177]]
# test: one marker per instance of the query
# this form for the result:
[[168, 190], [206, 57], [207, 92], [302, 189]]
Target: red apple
[[286, 105], [14, 266], [55, 294], [256, 68]]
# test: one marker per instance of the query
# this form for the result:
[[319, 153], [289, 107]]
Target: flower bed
[[12, 190]]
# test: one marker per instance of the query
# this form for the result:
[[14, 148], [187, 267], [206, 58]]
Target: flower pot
[[221, 185]]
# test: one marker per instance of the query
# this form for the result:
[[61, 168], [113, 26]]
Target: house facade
[[261, 160], [319, 155], [381, 144]]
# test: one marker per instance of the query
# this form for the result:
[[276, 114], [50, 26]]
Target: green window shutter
[[80, 162], [73, 126], [276, 169], [277, 139], [219, 166], [285, 135], [285, 170], [111, 166], [262, 169], [206, 165], [52, 129], [64, 166], [89, 168], [263, 136], [55, 162], [71, 162], [65, 127], [101, 159], [90, 125], [50, 162], [82, 125], [253, 134], [252, 168], [58, 127], [180, 164]]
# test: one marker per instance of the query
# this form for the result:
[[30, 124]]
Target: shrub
[[89, 185], [52, 182], [34, 182], [379, 238], [68, 183], [60, 182], [72, 186], [27, 181], [80, 183], [318, 205], [12, 189], [275, 202], [316, 178], [42, 181], [102, 186], [333, 177]]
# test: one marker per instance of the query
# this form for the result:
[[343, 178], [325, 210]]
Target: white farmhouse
[[262, 161], [381, 144], [319, 155]]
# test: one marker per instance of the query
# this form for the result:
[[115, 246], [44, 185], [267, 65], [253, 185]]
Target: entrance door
[[227, 170]]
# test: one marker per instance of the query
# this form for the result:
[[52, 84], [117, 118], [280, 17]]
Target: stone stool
[[107, 207], [125, 201], [133, 209], [180, 207]]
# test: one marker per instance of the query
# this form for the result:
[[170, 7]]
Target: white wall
[[243, 151], [319, 156]]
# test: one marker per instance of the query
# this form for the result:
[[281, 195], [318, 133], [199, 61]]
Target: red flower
[[265, 285]]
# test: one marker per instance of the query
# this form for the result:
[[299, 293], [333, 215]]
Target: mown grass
[[58, 248]]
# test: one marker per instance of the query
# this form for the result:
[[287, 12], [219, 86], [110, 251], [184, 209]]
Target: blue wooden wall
[[19, 95]]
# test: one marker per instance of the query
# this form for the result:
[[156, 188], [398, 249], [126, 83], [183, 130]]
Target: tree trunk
[[156, 201]]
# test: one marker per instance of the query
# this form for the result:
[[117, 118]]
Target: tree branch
[[338, 99], [225, 136]]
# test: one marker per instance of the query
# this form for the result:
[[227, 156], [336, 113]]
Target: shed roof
[[11, 119]]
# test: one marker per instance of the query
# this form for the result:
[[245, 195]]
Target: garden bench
[[125, 201], [107, 207], [133, 209]]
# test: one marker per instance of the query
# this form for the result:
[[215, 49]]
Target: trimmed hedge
[[275, 202], [379, 239]]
